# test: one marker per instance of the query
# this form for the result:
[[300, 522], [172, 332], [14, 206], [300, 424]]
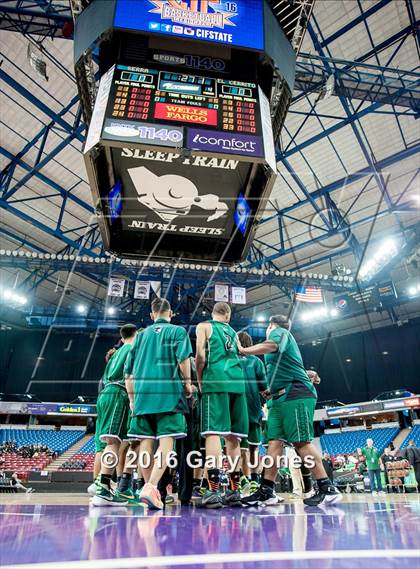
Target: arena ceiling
[[348, 163]]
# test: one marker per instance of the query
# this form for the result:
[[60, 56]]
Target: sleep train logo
[[197, 13], [171, 196]]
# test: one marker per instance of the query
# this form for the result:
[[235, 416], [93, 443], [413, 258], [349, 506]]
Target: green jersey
[[287, 377], [223, 371], [153, 363], [114, 370], [255, 382], [372, 456]]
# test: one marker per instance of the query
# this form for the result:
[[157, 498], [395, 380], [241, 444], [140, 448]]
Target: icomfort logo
[[224, 142]]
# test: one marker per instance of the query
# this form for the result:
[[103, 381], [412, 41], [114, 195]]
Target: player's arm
[[129, 385], [267, 347], [185, 369], [202, 332], [313, 376], [261, 376]]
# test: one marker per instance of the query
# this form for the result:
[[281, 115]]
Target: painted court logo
[[196, 13]]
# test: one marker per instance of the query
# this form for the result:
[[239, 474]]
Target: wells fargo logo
[[198, 13], [182, 113]]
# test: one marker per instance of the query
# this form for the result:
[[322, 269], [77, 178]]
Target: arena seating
[[349, 441], [59, 441], [414, 434], [86, 456]]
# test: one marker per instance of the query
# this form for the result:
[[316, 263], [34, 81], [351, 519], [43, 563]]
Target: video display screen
[[242, 213], [115, 201], [238, 23], [177, 195]]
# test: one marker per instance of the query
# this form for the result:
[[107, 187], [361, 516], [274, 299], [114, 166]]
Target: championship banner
[[238, 295], [387, 292], [221, 293], [142, 290], [116, 287]]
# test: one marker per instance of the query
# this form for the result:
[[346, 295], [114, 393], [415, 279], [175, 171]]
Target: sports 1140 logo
[[153, 133]]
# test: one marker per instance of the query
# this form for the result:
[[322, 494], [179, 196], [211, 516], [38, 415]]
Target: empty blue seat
[[59, 441], [349, 441]]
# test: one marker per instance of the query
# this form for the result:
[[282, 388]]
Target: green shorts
[[158, 426], [291, 421], [254, 436], [113, 411], [224, 414]]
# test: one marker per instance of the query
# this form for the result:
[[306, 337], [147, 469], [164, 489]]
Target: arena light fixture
[[414, 290], [81, 309], [13, 297], [386, 251], [261, 318], [111, 310]]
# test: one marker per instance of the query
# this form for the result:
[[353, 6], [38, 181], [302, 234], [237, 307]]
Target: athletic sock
[[255, 477], [106, 480], [205, 484], [307, 479], [269, 483], [124, 482], [196, 482], [323, 484], [234, 480], [214, 479], [118, 479]]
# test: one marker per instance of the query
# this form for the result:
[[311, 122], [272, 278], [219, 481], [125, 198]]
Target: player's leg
[[125, 484], [298, 426], [244, 482], [124, 446], [265, 494], [168, 428], [238, 412], [254, 441], [112, 430], [99, 446], [215, 423]]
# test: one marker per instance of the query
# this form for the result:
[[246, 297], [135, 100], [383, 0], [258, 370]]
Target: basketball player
[[224, 410], [112, 416], [158, 380], [255, 387], [290, 417]]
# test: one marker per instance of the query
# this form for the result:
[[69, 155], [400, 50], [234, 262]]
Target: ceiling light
[[348, 360], [261, 318], [81, 308], [110, 311]]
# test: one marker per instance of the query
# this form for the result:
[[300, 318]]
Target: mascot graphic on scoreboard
[[171, 196], [198, 13]]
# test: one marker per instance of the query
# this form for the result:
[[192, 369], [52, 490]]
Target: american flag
[[308, 294]]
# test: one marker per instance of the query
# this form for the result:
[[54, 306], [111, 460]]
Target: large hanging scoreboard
[[180, 151], [145, 104]]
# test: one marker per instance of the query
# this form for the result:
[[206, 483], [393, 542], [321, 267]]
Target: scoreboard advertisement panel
[[238, 23], [149, 106]]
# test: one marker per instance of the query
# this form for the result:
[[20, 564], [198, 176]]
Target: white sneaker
[[382, 493], [92, 489], [374, 493]]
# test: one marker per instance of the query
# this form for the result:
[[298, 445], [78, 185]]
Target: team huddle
[[154, 393]]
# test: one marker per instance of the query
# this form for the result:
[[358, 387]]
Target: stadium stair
[[399, 439], [55, 465]]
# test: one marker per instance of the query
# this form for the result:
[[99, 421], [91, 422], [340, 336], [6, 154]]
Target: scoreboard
[[142, 97]]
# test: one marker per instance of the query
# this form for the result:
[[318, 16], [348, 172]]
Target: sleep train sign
[[176, 194]]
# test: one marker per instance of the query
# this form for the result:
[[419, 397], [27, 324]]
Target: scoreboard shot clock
[[180, 152]]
